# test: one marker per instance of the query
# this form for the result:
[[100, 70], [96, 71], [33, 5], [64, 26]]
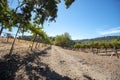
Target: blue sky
[[86, 19]]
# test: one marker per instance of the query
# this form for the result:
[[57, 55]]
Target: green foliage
[[78, 45], [115, 43], [21, 16], [96, 44], [40, 33], [5, 14], [63, 40], [43, 10], [68, 3]]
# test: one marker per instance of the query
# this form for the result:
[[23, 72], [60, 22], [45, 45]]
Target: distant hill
[[102, 39]]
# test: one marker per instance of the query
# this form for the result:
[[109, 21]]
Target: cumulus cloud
[[110, 31]]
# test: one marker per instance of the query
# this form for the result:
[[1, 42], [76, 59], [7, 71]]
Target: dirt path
[[82, 66]]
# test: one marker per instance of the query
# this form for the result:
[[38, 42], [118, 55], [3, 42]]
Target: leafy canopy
[[62, 40]]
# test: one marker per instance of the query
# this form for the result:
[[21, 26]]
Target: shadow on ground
[[88, 77], [32, 67]]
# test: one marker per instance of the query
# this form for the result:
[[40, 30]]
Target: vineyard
[[103, 48], [27, 52], [19, 58], [49, 62], [31, 59], [112, 47]]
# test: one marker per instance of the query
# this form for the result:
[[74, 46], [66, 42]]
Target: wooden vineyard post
[[115, 50]]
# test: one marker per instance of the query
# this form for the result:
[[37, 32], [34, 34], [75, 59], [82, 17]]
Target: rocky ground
[[55, 63]]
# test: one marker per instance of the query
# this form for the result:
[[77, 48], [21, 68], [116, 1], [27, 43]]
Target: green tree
[[21, 16], [5, 15], [63, 40]]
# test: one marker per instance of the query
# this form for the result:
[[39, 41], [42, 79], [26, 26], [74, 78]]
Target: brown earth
[[55, 63]]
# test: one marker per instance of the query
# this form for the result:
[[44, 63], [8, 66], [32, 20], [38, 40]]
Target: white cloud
[[110, 31]]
